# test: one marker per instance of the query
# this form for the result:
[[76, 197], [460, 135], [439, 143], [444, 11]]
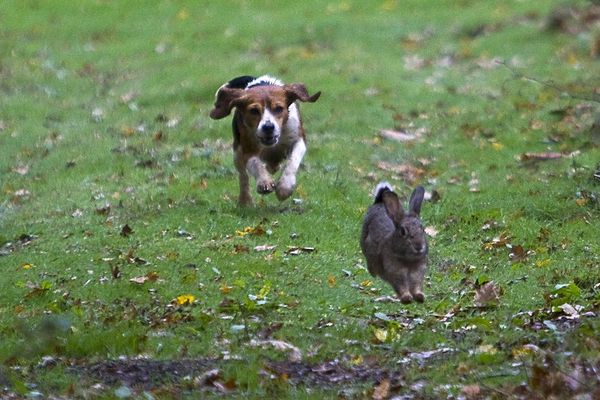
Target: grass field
[[129, 271]]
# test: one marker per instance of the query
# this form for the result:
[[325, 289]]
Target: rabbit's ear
[[416, 199], [393, 207]]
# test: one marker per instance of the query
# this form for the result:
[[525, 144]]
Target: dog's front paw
[[285, 187], [264, 187]]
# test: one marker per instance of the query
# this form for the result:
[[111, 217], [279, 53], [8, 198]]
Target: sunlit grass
[[104, 124]]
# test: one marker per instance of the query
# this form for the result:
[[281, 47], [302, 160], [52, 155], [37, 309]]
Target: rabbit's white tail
[[380, 189]]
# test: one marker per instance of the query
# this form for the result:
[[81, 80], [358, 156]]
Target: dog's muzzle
[[267, 134]]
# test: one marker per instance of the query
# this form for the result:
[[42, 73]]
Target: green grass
[[104, 123]]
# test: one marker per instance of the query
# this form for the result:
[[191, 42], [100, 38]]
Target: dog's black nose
[[268, 127]]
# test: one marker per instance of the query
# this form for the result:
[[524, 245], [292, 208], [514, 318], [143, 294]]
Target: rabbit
[[394, 242]]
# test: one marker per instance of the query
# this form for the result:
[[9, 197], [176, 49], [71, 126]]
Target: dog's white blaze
[[293, 122], [268, 117]]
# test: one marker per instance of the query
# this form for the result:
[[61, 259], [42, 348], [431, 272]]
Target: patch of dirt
[[332, 372], [149, 374], [144, 373]]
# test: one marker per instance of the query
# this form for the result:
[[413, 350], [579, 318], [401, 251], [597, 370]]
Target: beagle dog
[[267, 130]]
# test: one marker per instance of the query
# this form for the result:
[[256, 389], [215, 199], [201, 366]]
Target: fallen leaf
[[238, 249], [294, 250], [382, 390], [397, 136], [185, 299], [569, 310], [104, 210], [249, 230], [331, 281], [431, 231], [471, 391], [487, 295], [544, 156], [295, 355], [264, 247], [21, 169], [149, 277], [381, 335], [497, 242], [126, 231], [407, 172], [517, 253], [225, 289]]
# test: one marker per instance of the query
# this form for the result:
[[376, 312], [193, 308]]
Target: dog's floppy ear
[[297, 91], [224, 102]]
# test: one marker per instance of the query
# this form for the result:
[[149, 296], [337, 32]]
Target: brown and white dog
[[267, 130]]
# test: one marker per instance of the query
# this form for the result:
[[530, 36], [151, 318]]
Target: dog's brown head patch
[[257, 98]]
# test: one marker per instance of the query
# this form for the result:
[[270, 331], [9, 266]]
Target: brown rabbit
[[394, 243]]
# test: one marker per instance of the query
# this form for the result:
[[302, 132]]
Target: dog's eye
[[278, 109], [254, 111]]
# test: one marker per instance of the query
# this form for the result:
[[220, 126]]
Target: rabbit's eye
[[402, 231]]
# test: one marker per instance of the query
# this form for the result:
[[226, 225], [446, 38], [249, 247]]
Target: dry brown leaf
[[471, 391], [382, 390], [126, 231], [487, 295], [543, 156], [517, 253], [407, 172]]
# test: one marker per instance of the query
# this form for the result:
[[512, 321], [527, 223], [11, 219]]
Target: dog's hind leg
[[245, 198]]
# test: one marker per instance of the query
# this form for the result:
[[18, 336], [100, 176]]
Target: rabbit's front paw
[[406, 298], [419, 297]]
